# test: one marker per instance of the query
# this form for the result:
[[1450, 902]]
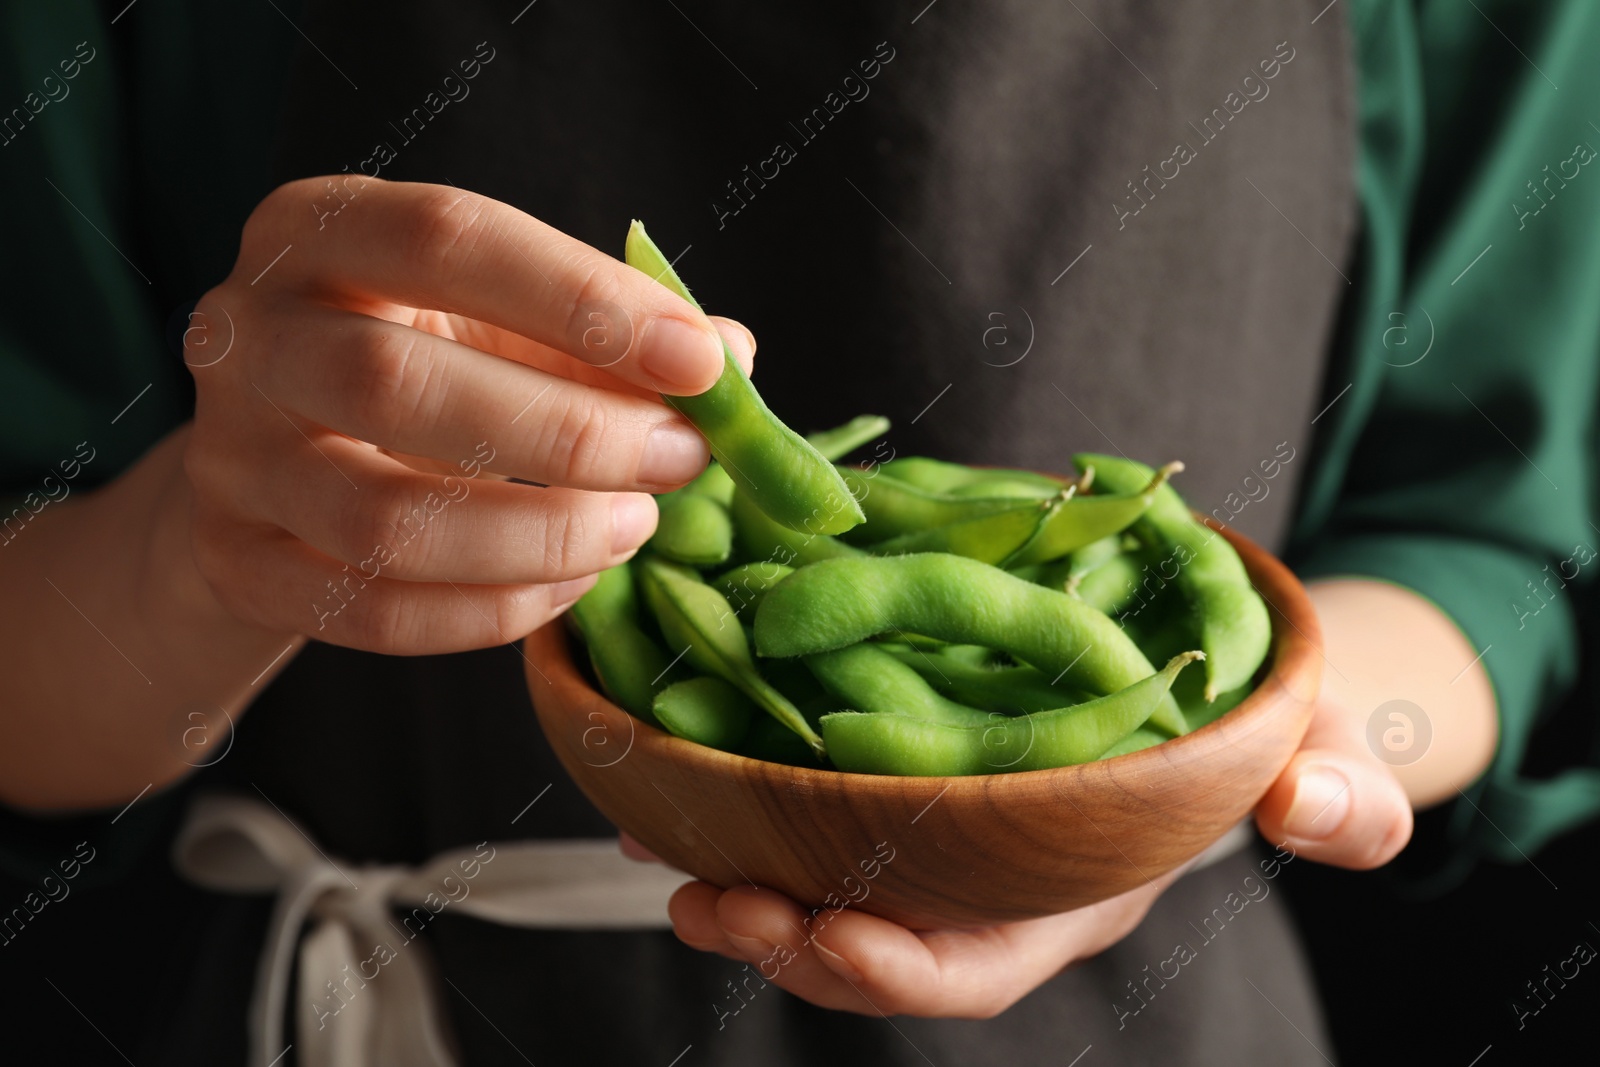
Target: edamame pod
[[894, 508], [714, 483], [705, 710], [759, 537], [975, 680], [1224, 610], [1081, 561], [1013, 690], [1142, 738], [898, 744], [631, 666], [1083, 520], [838, 602], [770, 740], [693, 529], [745, 584], [786, 476], [1075, 564], [1110, 587], [698, 619], [940, 476], [840, 441], [993, 538], [1015, 488], [866, 678]]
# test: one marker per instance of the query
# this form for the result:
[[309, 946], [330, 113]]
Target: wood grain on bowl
[[962, 851]]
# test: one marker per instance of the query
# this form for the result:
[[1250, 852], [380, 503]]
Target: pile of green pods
[[915, 616]]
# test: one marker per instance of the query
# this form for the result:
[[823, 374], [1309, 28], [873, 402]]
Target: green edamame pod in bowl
[[1010, 846], [760, 537], [994, 538], [1083, 520], [1058, 573], [746, 584], [1110, 587], [866, 678], [896, 508], [705, 710], [1014, 690], [895, 744], [1140, 739], [788, 478], [940, 476], [838, 602], [1225, 611], [692, 528], [631, 666], [699, 620], [840, 441]]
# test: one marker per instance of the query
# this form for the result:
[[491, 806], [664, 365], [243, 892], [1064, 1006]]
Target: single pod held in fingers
[[785, 475]]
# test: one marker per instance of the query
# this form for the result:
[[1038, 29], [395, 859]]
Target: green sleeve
[[82, 333], [1460, 462], [127, 176]]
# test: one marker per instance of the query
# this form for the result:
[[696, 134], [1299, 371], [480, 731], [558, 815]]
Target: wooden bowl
[[932, 853]]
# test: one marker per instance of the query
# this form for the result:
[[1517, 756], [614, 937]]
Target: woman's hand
[[1389, 654], [852, 961], [1338, 802], [397, 351], [381, 359]]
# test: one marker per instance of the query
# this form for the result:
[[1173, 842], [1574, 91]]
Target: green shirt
[[1459, 460]]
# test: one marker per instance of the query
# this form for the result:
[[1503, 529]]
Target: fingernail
[[740, 340], [753, 947], [1321, 801], [680, 357], [633, 519], [673, 453], [563, 594], [836, 963]]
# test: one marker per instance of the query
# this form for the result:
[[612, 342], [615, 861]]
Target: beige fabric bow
[[368, 988]]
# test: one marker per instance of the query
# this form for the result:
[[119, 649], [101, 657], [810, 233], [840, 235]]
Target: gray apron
[[1020, 230]]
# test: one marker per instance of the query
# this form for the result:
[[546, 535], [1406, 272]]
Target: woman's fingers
[[442, 248], [333, 602], [853, 961], [507, 345], [1336, 802], [373, 512], [741, 342], [630, 847], [390, 360], [419, 393]]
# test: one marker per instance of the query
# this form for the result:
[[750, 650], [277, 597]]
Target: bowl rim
[[1294, 655]]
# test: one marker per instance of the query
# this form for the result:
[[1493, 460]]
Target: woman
[[1158, 216]]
